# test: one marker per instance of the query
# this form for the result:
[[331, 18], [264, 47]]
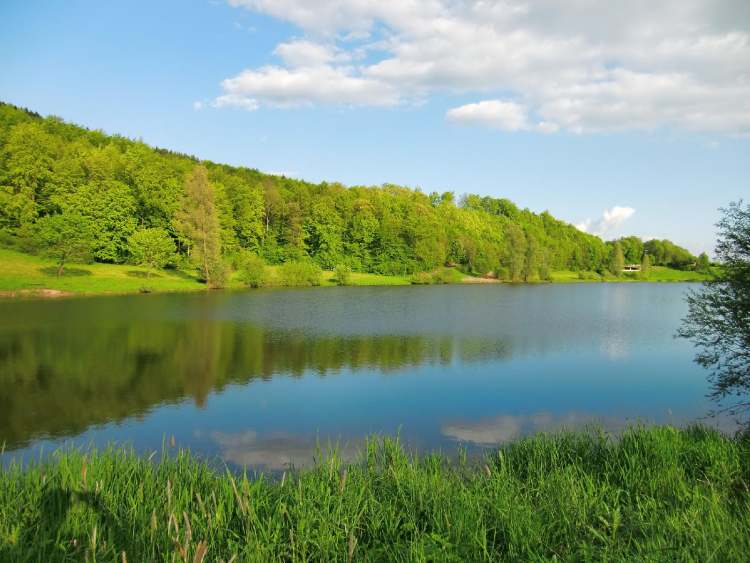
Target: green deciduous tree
[[718, 319], [617, 260], [65, 237], [645, 266], [110, 207], [153, 248], [198, 222], [703, 264]]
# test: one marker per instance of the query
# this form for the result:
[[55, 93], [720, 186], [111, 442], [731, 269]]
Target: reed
[[653, 494]]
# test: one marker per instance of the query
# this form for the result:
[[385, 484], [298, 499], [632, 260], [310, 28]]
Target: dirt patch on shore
[[471, 279], [42, 293]]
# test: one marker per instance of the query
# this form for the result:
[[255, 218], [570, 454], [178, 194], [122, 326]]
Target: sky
[[619, 117]]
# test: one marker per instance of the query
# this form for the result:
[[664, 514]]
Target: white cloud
[[303, 53], [610, 219], [582, 66], [197, 105], [282, 87], [499, 114]]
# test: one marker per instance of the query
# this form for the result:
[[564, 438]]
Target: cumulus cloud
[[610, 219], [283, 87], [583, 66], [509, 116]]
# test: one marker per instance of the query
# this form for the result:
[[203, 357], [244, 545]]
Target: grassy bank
[[657, 274], [25, 274], [657, 494]]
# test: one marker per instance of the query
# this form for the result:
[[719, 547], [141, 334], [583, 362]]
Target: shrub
[[343, 275], [299, 273], [421, 278], [447, 275], [252, 269], [219, 274]]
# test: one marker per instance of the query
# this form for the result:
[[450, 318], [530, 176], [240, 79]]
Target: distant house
[[632, 268]]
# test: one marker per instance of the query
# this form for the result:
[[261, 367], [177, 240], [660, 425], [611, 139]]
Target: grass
[[27, 274], [657, 274], [657, 494], [19, 271]]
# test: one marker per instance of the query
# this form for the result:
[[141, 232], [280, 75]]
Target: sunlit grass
[[27, 273], [656, 494]]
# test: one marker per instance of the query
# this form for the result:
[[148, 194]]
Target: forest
[[76, 194]]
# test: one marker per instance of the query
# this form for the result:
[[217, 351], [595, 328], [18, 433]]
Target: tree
[[153, 248], [531, 263], [515, 252], [198, 222], [110, 207], [718, 319], [617, 262], [703, 264], [645, 266], [64, 237]]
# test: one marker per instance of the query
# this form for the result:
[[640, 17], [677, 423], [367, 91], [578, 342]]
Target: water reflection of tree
[[60, 382]]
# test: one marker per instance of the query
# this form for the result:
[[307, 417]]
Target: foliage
[[198, 223], [666, 253], [153, 248], [252, 269], [617, 261], [343, 275], [718, 319], [447, 276], [653, 494], [703, 264], [421, 278], [65, 237], [645, 266], [213, 211], [299, 273]]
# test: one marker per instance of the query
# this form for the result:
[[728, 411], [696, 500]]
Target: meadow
[[27, 274], [652, 494]]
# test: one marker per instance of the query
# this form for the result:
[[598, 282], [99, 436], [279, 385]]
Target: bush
[[421, 278], [343, 275], [219, 274], [447, 275], [299, 274], [252, 269]]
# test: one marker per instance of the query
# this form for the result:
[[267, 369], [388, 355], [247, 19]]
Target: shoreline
[[25, 276]]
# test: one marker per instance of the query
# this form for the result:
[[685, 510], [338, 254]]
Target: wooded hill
[[64, 188]]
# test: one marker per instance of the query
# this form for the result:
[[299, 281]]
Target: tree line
[[80, 194]]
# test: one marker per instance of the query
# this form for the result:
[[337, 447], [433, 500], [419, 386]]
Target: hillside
[[114, 188]]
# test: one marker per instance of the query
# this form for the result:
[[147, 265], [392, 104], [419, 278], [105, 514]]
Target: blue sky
[[573, 110]]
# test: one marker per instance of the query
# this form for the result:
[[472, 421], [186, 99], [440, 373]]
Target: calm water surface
[[258, 378]]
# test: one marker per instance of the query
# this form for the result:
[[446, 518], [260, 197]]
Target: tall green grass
[[657, 494]]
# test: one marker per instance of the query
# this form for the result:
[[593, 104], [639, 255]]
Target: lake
[[263, 378]]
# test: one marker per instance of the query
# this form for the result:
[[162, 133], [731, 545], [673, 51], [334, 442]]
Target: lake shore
[[655, 492], [27, 276]]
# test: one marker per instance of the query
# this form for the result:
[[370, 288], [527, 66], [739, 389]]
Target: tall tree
[[198, 222], [718, 319], [617, 261], [531, 262], [703, 264], [515, 252], [645, 266]]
